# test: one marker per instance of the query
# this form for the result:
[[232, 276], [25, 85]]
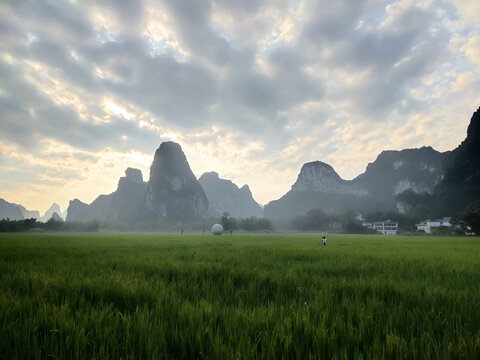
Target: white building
[[386, 227], [428, 225]]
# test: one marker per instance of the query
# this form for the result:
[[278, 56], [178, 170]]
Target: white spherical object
[[217, 229]]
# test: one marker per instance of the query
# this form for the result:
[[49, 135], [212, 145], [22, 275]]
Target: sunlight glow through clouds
[[472, 50], [249, 89]]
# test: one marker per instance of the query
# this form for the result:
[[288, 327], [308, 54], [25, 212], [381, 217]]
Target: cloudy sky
[[251, 89]]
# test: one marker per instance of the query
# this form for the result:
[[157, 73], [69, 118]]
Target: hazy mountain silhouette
[[318, 186], [393, 172], [123, 205], [128, 199], [97, 210], [54, 208], [224, 196], [460, 187], [447, 183], [10, 211], [173, 191], [28, 214]]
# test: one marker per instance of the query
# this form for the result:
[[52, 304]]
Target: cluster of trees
[[472, 218], [425, 206], [418, 206], [314, 220], [7, 225], [318, 220], [252, 223]]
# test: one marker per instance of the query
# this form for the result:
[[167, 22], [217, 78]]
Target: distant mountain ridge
[[14, 211], [451, 178], [393, 172], [321, 177], [10, 211], [172, 193], [447, 184], [28, 214], [224, 196], [99, 209]]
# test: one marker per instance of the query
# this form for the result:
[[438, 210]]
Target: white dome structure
[[217, 229]]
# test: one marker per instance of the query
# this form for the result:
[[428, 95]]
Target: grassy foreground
[[146, 296]]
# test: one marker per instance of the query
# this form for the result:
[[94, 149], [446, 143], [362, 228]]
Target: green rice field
[[166, 296]]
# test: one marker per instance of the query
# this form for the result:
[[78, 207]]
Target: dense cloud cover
[[250, 89]]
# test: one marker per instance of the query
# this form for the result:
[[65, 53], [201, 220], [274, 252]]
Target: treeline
[[252, 223], [426, 206], [7, 225], [228, 223], [347, 222], [472, 218], [314, 220], [318, 220]]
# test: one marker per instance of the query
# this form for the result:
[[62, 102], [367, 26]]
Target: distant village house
[[386, 227], [428, 225]]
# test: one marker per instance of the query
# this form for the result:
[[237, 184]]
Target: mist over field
[[401, 191]]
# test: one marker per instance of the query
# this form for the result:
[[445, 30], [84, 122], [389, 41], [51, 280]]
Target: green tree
[[228, 222], [255, 224], [472, 219], [352, 225], [315, 219], [54, 224]]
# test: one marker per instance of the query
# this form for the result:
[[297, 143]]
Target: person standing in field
[[324, 239]]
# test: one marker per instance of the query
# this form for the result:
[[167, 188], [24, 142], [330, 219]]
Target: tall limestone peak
[[134, 175], [318, 186], [77, 210], [316, 176], [321, 177], [246, 190], [173, 192], [170, 162], [128, 199], [224, 196], [54, 208], [460, 187], [473, 131], [209, 176]]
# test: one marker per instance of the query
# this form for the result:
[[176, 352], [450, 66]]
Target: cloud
[[247, 87], [469, 10], [472, 50]]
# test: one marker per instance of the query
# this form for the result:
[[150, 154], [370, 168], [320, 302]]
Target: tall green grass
[[146, 296]]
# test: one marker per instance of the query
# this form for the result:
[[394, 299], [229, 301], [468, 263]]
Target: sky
[[250, 89]]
